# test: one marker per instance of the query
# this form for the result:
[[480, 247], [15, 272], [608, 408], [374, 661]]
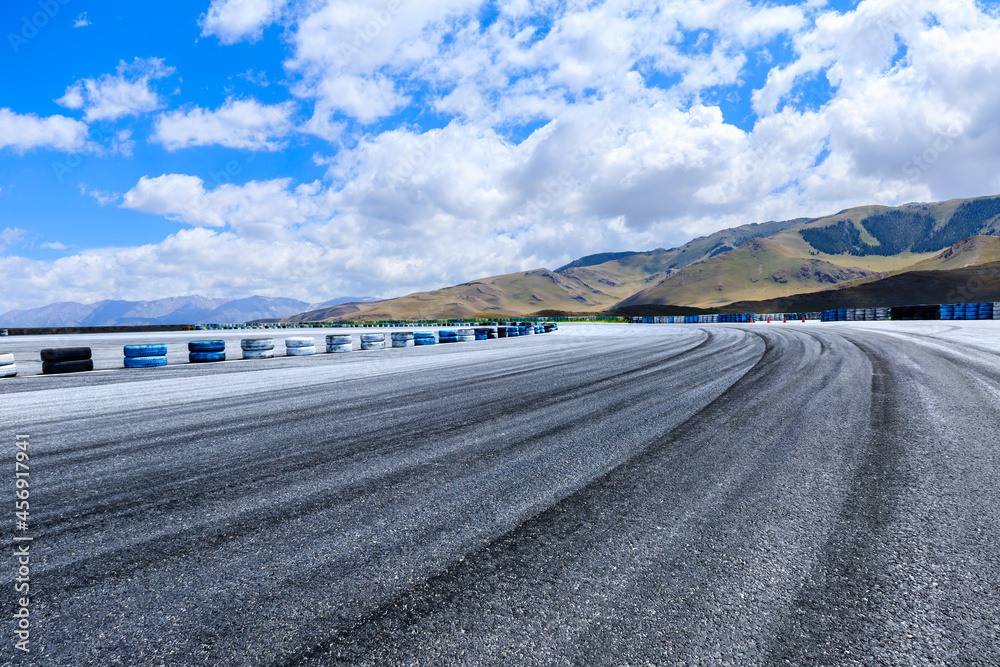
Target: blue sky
[[331, 147]]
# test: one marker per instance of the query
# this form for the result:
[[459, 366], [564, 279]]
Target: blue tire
[[145, 362], [207, 346], [156, 350], [424, 341], [206, 357]]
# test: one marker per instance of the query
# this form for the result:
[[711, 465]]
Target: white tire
[[6, 359], [373, 345], [338, 339], [301, 351], [258, 354], [372, 338], [257, 344], [8, 371], [403, 343], [465, 339], [336, 349], [300, 342], [466, 332], [402, 335]]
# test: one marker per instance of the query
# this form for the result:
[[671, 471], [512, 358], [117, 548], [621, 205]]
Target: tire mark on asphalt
[[837, 608]]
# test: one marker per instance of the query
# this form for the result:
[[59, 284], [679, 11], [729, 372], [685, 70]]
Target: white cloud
[[22, 132], [101, 196], [236, 124], [81, 21], [235, 20], [9, 236], [55, 245], [126, 93], [258, 209]]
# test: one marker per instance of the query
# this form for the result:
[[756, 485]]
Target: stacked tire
[[502, 331], [57, 360], [972, 311], [996, 310], [373, 341], [947, 311], [257, 348], [145, 356], [882, 314], [402, 339], [986, 310], [300, 346], [466, 335], [339, 343], [424, 338], [448, 336], [8, 368], [206, 351], [482, 333]]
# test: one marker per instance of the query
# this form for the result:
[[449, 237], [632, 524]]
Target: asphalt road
[[603, 495]]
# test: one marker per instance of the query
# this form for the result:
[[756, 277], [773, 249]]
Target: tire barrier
[[300, 346], [996, 310], [257, 348], [373, 341], [402, 339], [482, 333], [466, 335], [424, 338], [502, 332], [59, 360], [339, 343], [447, 336], [206, 351], [882, 314], [8, 368], [145, 356]]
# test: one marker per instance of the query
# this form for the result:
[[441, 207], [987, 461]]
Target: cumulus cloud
[[236, 124], [259, 209], [235, 20], [129, 92], [22, 132], [81, 21]]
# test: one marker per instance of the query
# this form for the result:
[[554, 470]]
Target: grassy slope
[[759, 269], [585, 290], [968, 271]]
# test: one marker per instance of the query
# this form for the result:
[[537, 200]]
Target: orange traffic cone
[[784, 319]]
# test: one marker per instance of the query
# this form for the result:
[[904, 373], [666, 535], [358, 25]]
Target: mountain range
[[173, 310], [918, 252], [751, 263]]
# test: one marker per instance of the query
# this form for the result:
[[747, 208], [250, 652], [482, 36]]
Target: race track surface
[[627, 495]]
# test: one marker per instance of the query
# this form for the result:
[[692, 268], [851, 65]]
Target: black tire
[[73, 366], [60, 354]]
